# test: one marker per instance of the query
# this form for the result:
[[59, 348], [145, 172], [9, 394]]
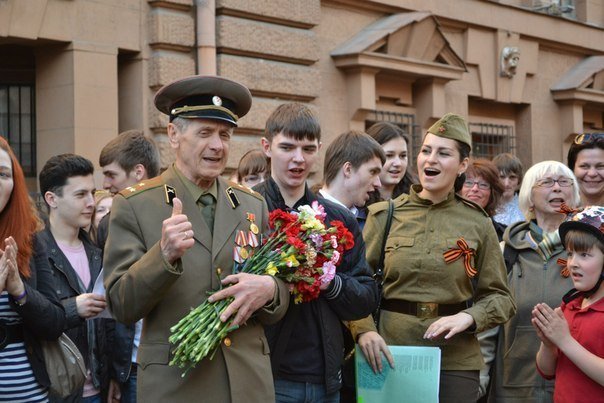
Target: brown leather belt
[[422, 310]]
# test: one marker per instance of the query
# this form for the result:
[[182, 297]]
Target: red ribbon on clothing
[[564, 270], [565, 209], [463, 250]]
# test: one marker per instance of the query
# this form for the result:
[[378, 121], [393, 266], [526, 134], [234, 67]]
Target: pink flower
[[335, 258], [329, 272], [319, 210]]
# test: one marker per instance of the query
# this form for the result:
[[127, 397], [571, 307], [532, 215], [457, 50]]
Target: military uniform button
[[227, 342]]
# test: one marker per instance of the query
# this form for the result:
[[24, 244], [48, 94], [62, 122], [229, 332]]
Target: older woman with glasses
[[482, 186], [586, 159], [536, 272]]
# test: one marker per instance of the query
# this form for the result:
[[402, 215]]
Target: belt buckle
[[427, 310]]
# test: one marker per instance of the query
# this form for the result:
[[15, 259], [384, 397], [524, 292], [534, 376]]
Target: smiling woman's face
[[589, 170], [438, 164]]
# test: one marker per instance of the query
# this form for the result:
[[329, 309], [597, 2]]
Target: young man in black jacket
[[67, 185], [307, 346]]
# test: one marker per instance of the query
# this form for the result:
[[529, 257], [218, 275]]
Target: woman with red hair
[[29, 310]]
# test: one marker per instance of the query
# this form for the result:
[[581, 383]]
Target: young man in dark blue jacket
[[307, 347], [128, 159]]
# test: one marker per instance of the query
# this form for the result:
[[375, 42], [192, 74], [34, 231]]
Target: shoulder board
[[383, 205], [141, 187], [471, 204], [241, 188]]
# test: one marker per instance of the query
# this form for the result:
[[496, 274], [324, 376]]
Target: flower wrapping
[[301, 250]]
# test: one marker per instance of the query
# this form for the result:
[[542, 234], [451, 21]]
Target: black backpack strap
[[379, 272], [510, 256], [378, 276]]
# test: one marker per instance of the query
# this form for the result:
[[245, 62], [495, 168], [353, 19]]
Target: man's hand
[[90, 305], [250, 291], [373, 346], [114, 394], [451, 324], [176, 234]]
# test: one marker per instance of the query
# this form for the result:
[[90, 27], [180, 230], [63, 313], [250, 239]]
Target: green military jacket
[[415, 270], [140, 284]]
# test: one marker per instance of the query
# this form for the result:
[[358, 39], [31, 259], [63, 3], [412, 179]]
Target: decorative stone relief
[[510, 56]]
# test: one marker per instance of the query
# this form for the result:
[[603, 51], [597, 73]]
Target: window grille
[[17, 123], [488, 140]]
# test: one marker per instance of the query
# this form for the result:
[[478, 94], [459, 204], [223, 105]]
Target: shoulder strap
[[510, 256], [379, 273]]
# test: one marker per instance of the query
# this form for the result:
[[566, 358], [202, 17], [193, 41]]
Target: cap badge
[[441, 129], [216, 100]]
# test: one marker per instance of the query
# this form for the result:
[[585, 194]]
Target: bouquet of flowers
[[302, 251]]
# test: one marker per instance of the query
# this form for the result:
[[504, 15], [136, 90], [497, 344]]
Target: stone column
[[77, 99]]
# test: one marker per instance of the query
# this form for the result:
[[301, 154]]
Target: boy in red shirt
[[572, 346]]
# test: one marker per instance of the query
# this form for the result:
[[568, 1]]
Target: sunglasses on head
[[588, 138]]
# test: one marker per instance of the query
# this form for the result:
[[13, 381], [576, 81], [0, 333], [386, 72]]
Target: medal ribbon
[[564, 270], [564, 209], [463, 250]]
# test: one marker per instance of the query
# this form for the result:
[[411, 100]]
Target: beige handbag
[[65, 366]]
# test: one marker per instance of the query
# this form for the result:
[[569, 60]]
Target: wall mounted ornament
[[510, 56]]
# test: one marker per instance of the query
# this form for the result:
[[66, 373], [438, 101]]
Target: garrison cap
[[452, 126], [204, 97]]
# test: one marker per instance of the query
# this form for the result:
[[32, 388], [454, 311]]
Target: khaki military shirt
[[415, 270]]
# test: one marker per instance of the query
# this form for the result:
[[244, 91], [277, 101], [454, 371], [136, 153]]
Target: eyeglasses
[[587, 138], [481, 185], [549, 182]]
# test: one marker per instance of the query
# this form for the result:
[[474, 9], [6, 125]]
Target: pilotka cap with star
[[452, 126], [204, 97]]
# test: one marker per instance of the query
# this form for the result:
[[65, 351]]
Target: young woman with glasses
[[482, 186]]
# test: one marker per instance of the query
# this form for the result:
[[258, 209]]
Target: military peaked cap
[[204, 97]]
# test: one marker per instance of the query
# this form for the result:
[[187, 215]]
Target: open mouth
[[557, 200], [212, 159], [296, 171], [431, 171]]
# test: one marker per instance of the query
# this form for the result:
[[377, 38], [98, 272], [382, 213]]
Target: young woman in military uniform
[[444, 275]]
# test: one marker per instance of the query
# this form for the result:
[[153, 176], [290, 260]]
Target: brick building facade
[[526, 73]]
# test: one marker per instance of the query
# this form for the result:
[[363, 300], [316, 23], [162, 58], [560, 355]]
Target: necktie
[[207, 209]]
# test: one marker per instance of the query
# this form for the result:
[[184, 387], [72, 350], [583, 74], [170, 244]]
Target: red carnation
[[296, 243], [345, 238], [279, 219]]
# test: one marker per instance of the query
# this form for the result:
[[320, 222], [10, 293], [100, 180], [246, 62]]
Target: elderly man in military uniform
[[171, 242]]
